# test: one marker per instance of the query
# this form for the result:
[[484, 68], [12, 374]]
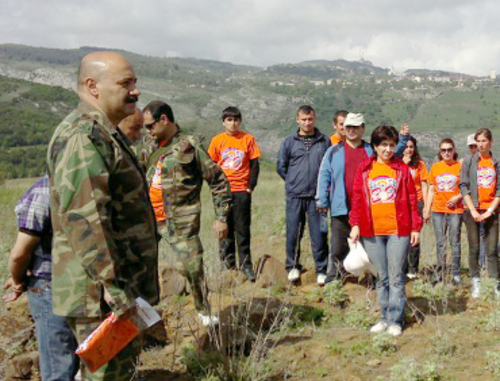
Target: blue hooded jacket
[[299, 166], [331, 177]]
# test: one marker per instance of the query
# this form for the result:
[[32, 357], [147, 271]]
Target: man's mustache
[[132, 99]]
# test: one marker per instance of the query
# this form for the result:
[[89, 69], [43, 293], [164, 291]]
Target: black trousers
[[339, 246], [412, 263], [238, 234]]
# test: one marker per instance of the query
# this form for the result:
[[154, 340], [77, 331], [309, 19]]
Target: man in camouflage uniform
[[105, 251], [175, 175]]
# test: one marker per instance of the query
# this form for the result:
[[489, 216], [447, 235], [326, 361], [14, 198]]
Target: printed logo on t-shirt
[[156, 180], [446, 182], [232, 158], [383, 189], [485, 177]]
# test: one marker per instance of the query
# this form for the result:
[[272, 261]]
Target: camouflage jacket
[[185, 164], [104, 226]]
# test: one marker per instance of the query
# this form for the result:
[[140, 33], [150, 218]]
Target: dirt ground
[[448, 334]]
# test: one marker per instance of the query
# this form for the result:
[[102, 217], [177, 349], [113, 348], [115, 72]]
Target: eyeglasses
[[149, 126], [447, 150]]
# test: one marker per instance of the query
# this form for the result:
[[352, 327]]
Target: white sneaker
[[456, 280], [208, 320], [321, 279], [476, 287], [381, 326], [294, 275], [411, 276], [394, 330]]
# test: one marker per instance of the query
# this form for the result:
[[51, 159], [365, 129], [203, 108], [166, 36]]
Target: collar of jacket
[[318, 135], [493, 158], [98, 116], [395, 163]]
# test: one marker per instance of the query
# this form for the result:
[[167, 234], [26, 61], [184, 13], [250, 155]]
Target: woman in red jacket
[[384, 214]]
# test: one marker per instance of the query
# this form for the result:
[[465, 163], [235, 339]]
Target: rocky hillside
[[435, 103]]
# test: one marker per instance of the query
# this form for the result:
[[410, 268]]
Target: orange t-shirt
[[382, 185], [419, 174], [486, 183], [445, 178], [334, 139], [233, 154], [156, 194]]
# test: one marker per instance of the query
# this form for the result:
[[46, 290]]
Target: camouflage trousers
[[120, 368], [188, 253]]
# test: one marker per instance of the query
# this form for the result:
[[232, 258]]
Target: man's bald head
[[131, 126], [107, 81]]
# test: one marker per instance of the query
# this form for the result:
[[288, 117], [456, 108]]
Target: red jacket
[[409, 220]]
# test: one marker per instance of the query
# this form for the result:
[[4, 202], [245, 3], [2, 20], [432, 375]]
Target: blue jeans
[[451, 222], [296, 210], [56, 342], [388, 254]]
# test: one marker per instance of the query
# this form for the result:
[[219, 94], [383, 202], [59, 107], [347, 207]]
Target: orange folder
[[113, 335], [107, 341]]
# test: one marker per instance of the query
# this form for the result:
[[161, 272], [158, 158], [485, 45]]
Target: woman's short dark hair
[[485, 132], [448, 141], [382, 133]]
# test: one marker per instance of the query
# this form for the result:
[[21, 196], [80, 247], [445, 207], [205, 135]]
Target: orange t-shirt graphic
[[383, 185], [156, 194], [233, 154], [445, 178], [486, 183], [334, 140], [419, 174]]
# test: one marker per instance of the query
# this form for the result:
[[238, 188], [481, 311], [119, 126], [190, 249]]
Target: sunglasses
[[447, 149], [149, 126]]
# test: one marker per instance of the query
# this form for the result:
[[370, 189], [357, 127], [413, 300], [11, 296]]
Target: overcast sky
[[454, 35]]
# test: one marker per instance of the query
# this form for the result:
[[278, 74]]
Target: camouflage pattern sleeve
[[81, 181], [219, 185]]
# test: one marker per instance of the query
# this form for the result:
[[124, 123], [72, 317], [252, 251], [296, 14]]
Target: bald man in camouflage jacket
[[105, 251], [175, 174]]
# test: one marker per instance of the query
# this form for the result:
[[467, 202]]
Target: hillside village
[[434, 103]]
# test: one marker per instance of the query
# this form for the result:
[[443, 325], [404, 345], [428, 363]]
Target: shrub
[[408, 369], [493, 363], [358, 316], [439, 292]]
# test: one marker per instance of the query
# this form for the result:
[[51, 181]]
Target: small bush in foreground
[[442, 346], [408, 369], [491, 322], [384, 344], [426, 290], [493, 363], [358, 316]]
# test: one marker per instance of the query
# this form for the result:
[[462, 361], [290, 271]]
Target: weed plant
[[359, 316], [408, 369], [493, 363], [332, 293], [442, 346], [384, 344], [488, 286], [491, 322], [439, 292]]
